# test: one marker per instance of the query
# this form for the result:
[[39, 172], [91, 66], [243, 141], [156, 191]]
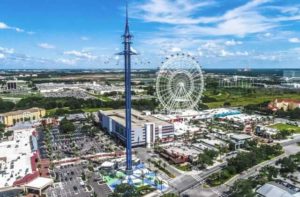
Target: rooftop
[[40, 183], [13, 113], [272, 189], [16, 157], [138, 119], [240, 136], [287, 100]]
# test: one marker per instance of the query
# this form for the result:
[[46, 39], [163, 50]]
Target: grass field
[[240, 98], [52, 111], [102, 98], [281, 126], [96, 109]]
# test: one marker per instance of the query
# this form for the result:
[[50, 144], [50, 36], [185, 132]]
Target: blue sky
[[86, 34]]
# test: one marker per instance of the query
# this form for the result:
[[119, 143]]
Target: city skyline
[[66, 34]]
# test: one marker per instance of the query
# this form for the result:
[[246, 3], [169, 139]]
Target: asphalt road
[[193, 189], [143, 154]]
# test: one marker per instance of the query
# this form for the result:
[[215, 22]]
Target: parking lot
[[70, 93], [69, 182], [74, 144]]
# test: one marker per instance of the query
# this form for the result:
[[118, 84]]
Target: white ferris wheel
[[180, 82]]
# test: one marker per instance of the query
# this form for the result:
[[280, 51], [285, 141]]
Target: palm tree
[[95, 194], [155, 173], [143, 177], [160, 182], [165, 165], [159, 162], [149, 161], [122, 178]]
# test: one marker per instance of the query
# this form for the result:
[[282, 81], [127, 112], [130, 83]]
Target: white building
[[146, 129], [15, 157]]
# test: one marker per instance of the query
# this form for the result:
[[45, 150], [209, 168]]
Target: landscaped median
[[244, 161]]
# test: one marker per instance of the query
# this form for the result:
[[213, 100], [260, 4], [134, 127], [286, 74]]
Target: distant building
[[291, 85], [13, 117], [239, 139], [76, 117], [291, 74], [13, 85], [146, 129], [284, 104]]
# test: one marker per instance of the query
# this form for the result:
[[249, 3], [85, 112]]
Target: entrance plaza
[[141, 177]]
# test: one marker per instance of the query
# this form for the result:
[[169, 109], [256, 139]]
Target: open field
[[281, 126], [240, 98], [96, 109], [52, 111]]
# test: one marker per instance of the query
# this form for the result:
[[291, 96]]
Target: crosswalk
[[196, 177], [165, 177]]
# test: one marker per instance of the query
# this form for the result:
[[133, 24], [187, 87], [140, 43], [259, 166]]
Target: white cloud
[[185, 16], [267, 35], [5, 26], [233, 43], [80, 54], [242, 53], [294, 40], [31, 33], [171, 11], [292, 10], [6, 50], [68, 61], [2, 56], [267, 57], [175, 49], [46, 46], [224, 53], [84, 38], [215, 49], [19, 30]]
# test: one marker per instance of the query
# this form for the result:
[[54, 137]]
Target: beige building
[[284, 104], [13, 117]]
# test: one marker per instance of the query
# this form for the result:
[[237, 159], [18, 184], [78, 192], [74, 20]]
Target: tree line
[[74, 103]]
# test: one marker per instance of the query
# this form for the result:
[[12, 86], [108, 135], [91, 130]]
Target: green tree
[[170, 195], [206, 158], [125, 190], [66, 126], [6, 106], [270, 172], [242, 188]]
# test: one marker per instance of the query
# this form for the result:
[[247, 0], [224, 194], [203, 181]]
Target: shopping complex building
[[13, 117], [146, 129], [284, 104]]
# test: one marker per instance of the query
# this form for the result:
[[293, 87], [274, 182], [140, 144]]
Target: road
[[189, 180], [190, 184], [254, 170], [143, 154]]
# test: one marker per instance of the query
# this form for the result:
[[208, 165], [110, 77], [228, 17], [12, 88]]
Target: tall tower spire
[[127, 53], [127, 23]]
